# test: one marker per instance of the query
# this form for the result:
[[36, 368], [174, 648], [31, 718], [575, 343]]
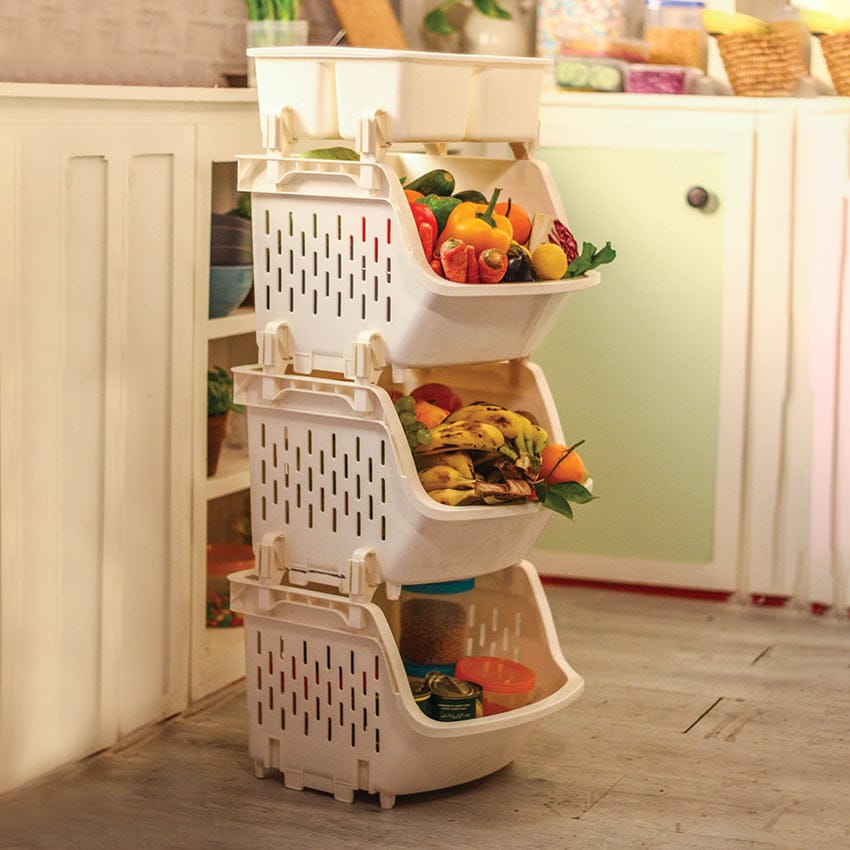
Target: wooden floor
[[702, 725]]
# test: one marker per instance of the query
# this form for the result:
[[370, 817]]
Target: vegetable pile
[[469, 238], [485, 454]]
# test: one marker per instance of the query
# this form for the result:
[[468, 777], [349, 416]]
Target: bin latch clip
[[368, 358], [274, 346], [371, 141], [364, 575], [278, 130]]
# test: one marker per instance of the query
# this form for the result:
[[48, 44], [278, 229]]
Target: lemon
[[549, 261]]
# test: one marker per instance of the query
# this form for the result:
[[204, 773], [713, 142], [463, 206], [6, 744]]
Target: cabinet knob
[[700, 199]]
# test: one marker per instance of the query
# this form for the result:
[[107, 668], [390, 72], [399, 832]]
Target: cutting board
[[370, 23]]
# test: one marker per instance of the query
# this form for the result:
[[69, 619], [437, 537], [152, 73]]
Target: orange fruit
[[429, 414], [571, 468], [412, 195], [519, 219]]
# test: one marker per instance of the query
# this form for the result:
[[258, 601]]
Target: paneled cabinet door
[[651, 367], [94, 368]]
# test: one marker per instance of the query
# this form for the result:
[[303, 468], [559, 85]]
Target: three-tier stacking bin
[[348, 310]]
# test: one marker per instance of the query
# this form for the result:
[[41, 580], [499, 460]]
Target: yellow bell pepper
[[478, 225]]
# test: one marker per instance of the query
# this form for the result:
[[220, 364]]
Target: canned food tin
[[454, 699], [421, 694]]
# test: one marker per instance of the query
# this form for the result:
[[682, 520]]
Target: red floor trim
[[766, 601], [649, 589]]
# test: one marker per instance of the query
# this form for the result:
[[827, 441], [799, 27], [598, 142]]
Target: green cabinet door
[[638, 369]]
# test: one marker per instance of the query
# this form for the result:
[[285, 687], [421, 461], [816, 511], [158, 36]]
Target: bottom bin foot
[[343, 793], [293, 779], [387, 800]]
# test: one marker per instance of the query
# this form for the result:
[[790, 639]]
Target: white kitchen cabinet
[[675, 371], [105, 238], [748, 494], [816, 468]]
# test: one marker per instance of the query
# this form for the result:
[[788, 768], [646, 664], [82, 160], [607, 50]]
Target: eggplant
[[519, 265]]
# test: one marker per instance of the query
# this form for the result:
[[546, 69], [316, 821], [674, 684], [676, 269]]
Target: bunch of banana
[[461, 461], [449, 486], [462, 435], [717, 22], [823, 23], [523, 439], [441, 476]]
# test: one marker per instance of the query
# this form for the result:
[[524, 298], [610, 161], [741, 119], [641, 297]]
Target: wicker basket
[[763, 64], [836, 52]]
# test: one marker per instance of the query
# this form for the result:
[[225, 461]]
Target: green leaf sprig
[[590, 258], [437, 21]]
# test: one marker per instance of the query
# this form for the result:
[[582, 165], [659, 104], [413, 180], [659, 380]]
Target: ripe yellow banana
[[717, 22], [540, 439], [823, 22], [460, 461], [464, 436], [442, 477], [512, 424], [453, 497]]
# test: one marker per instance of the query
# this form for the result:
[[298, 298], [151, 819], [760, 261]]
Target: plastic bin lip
[[406, 56]]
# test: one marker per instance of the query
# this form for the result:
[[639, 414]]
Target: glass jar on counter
[[434, 625], [675, 34]]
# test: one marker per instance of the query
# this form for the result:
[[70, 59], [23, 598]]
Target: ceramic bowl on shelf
[[230, 241], [229, 286]]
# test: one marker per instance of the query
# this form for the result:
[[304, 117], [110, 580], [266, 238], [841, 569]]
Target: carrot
[[492, 265], [472, 275], [437, 266], [454, 259]]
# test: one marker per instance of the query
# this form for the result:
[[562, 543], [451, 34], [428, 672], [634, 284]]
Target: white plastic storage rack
[[347, 310]]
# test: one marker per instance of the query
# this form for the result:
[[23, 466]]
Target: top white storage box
[[324, 92]]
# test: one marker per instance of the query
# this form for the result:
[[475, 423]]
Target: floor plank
[[703, 725]]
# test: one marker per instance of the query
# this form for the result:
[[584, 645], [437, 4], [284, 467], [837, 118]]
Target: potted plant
[[500, 27], [274, 23], [219, 405]]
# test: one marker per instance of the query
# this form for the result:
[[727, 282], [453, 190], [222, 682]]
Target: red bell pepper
[[423, 214]]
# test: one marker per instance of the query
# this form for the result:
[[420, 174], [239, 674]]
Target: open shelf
[[232, 474], [240, 321]]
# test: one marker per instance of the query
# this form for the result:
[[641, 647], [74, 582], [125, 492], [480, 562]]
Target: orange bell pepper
[[478, 225]]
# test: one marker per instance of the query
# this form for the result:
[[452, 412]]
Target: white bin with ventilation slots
[[332, 472], [330, 706], [338, 266]]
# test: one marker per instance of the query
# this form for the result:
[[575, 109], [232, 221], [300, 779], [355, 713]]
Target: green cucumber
[[436, 182], [606, 78], [472, 196]]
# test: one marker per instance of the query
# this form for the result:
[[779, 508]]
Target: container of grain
[[434, 622], [675, 34]]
